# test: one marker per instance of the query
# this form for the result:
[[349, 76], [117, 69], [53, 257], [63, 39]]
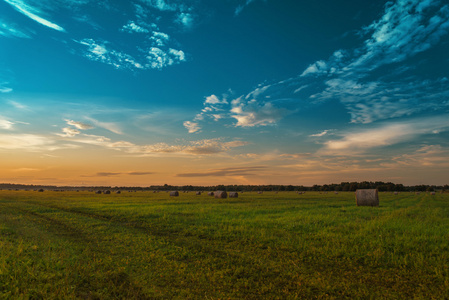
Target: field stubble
[[149, 245]]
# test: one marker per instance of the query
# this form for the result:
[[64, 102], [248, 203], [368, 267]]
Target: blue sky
[[231, 91]]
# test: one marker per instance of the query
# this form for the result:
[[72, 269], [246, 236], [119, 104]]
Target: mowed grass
[[144, 245]]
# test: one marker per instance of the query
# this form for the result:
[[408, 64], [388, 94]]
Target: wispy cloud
[[235, 171], [32, 13], [133, 27], [11, 30], [192, 127], [323, 133], [199, 147], [387, 134], [153, 58], [5, 124], [31, 142], [69, 132], [79, 125], [114, 174], [240, 8], [111, 126]]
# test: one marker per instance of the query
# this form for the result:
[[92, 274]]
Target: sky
[[207, 92]]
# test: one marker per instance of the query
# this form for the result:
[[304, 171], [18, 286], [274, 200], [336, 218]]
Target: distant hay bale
[[210, 193], [367, 197], [40, 190], [107, 192], [221, 194], [198, 193], [118, 192], [395, 193], [336, 193], [260, 192], [98, 192], [432, 193], [174, 194], [233, 195]]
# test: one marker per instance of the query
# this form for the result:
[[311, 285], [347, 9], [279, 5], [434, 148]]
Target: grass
[[274, 246]]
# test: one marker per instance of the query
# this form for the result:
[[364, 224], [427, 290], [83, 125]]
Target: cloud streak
[[31, 13]]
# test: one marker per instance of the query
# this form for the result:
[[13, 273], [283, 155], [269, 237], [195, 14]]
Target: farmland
[[149, 245]]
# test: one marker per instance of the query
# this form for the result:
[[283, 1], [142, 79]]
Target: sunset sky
[[205, 92]]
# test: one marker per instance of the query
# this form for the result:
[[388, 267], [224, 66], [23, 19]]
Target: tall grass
[[286, 246]]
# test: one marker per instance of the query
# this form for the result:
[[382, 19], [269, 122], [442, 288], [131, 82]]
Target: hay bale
[[233, 195], [221, 194], [174, 194], [259, 192], [367, 197], [198, 193], [432, 193], [210, 193], [395, 193], [107, 192], [118, 192], [40, 190], [98, 192]]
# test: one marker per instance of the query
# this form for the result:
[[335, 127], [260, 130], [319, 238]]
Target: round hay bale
[[432, 193], [118, 192], [174, 194], [221, 194], [396, 193], [367, 197], [260, 192], [198, 193], [210, 193], [107, 192], [233, 195], [98, 192], [40, 190]]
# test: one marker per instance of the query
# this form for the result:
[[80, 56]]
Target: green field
[[144, 245]]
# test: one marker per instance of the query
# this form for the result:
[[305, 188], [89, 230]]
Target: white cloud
[[384, 135], [5, 90], [133, 27], [240, 8], [252, 114], [318, 67], [160, 39], [158, 58], [113, 127], [10, 30], [192, 127], [323, 133], [200, 147], [79, 125], [98, 51], [69, 132], [18, 105], [5, 124], [212, 99], [186, 19], [29, 142], [161, 5], [31, 13]]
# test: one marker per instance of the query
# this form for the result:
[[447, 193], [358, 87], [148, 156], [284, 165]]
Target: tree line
[[343, 186]]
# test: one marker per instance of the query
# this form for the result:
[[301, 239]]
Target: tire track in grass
[[222, 251], [82, 244]]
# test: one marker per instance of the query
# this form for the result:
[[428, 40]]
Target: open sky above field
[[203, 92]]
